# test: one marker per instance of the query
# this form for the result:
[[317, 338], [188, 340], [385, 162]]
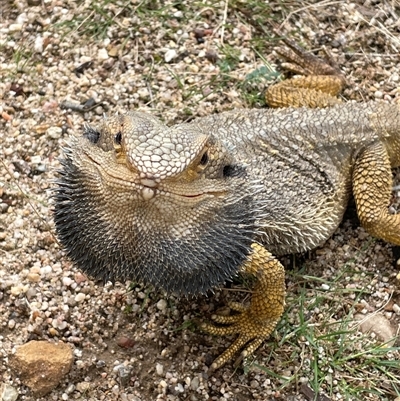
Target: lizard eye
[[204, 159], [118, 138]]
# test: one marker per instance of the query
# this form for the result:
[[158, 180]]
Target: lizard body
[[189, 206]]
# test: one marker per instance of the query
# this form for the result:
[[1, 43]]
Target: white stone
[[84, 59], [18, 223], [80, 297], [159, 369], [46, 270], [102, 55], [22, 18], [67, 281], [54, 132], [15, 27], [170, 55], [36, 159], [162, 304], [19, 289], [38, 46], [143, 92], [8, 393]]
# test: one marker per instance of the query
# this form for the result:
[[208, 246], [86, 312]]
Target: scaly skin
[[187, 207]]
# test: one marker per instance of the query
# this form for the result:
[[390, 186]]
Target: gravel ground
[[179, 60]]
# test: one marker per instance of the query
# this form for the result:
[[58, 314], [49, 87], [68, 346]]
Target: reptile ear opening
[[91, 133], [228, 171], [233, 170]]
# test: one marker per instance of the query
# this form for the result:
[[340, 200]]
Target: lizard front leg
[[372, 187], [255, 323]]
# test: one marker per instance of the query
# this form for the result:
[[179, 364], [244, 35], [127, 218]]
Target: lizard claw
[[301, 62], [319, 85], [255, 323], [251, 334]]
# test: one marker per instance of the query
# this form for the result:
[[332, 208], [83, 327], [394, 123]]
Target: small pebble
[[46, 270], [159, 369], [100, 364], [80, 278], [70, 389], [54, 132], [162, 304], [19, 289], [254, 384], [36, 159], [38, 45], [179, 388], [143, 93], [8, 392], [170, 55], [80, 297], [194, 383], [33, 277], [102, 55], [15, 27], [59, 324], [125, 342], [67, 281], [83, 387], [53, 332]]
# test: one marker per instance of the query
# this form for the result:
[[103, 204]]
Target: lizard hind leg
[[255, 323], [319, 86], [372, 186]]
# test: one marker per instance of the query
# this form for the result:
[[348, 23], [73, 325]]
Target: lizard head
[[142, 201]]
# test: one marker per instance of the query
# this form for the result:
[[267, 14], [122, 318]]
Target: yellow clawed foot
[[251, 334], [321, 82], [255, 323]]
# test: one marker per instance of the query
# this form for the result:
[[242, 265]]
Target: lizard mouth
[[200, 195], [193, 196]]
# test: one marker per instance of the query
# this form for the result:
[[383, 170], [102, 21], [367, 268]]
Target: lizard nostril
[[118, 138], [204, 159]]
